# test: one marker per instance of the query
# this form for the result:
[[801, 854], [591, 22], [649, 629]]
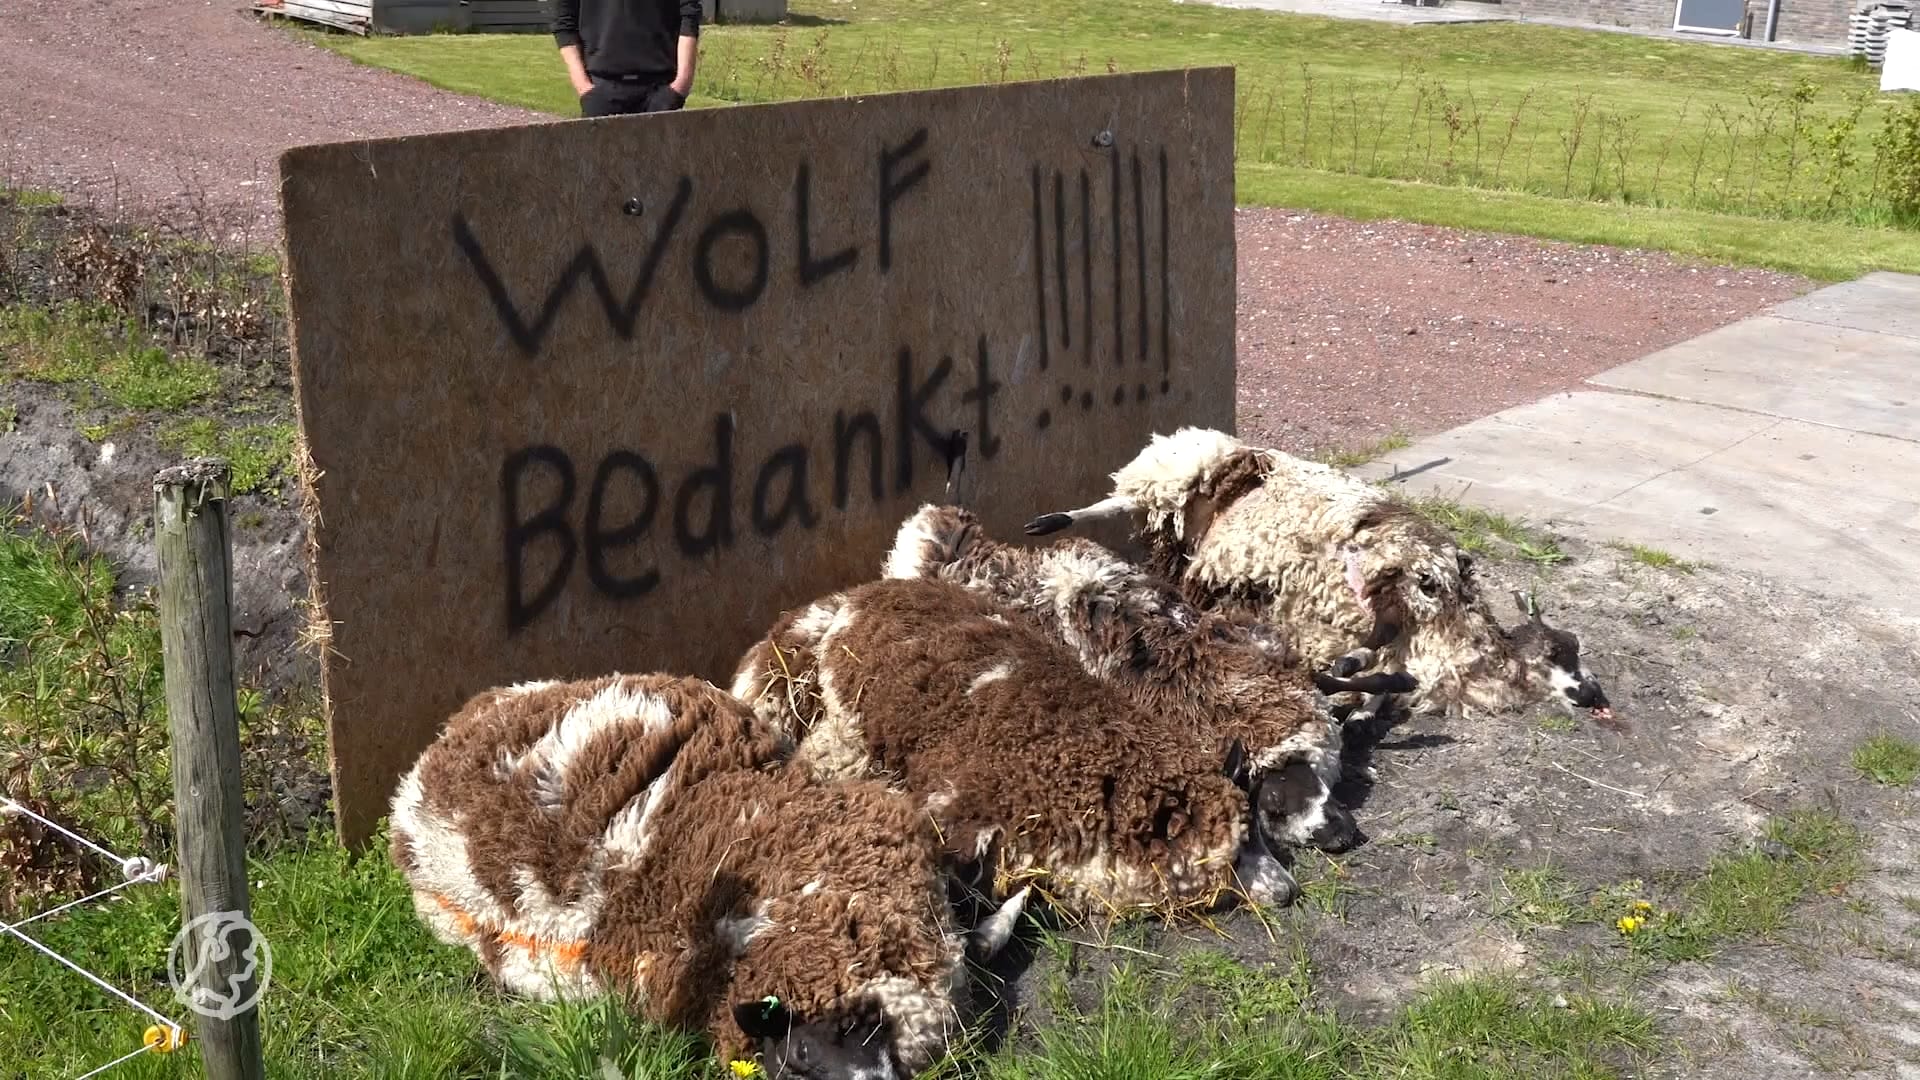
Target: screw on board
[[1103, 140], [633, 207]]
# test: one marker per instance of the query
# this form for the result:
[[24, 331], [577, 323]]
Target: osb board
[[528, 359]]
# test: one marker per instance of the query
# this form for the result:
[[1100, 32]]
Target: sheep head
[[1550, 657], [790, 1047], [1291, 797]]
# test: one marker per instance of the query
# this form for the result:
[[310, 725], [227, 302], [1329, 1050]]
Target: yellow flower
[[744, 1068], [1629, 923], [1641, 907]]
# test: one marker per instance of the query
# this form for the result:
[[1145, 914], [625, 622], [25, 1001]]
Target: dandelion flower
[[744, 1069], [1629, 923], [1641, 907]]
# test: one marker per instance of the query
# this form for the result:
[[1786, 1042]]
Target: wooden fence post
[[196, 639]]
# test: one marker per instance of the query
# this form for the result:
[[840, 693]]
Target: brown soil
[[159, 106], [1350, 331]]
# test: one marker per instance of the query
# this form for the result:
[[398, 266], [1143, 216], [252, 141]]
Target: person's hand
[[682, 86], [581, 85]]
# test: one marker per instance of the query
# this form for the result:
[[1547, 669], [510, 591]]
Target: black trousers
[[615, 97]]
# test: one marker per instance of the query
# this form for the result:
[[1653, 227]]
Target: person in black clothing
[[628, 56]]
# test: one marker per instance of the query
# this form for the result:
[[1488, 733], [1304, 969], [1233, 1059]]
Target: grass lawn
[[1671, 145]]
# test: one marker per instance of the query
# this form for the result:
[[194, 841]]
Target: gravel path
[[181, 107], [1348, 331]]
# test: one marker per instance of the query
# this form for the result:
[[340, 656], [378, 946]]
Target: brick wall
[[1640, 14], [1806, 22]]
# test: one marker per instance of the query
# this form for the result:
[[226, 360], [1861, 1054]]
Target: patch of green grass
[[1488, 532], [81, 718], [1491, 1026], [1821, 250], [103, 359], [43, 585], [1660, 144], [1751, 895], [568, 1039], [256, 453], [1354, 457], [358, 987], [30, 198], [1325, 884], [9, 419], [1557, 723], [1888, 759], [1655, 558], [1538, 898]]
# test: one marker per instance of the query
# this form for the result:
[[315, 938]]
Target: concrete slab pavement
[[1787, 444]]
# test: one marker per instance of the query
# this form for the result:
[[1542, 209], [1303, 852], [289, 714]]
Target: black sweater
[[627, 37]]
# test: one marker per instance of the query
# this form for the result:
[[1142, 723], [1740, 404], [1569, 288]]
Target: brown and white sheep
[[1029, 765], [642, 835], [1346, 569], [1223, 673]]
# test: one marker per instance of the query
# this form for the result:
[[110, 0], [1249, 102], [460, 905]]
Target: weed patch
[[1746, 895], [257, 453], [83, 724], [106, 360], [1655, 558], [1488, 532], [1888, 759], [1538, 898], [1355, 457]]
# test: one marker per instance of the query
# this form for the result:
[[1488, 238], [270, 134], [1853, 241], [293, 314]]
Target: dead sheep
[[1354, 576], [642, 835], [1033, 769], [1220, 672]]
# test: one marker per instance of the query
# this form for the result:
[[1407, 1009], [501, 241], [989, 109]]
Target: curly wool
[[1216, 671], [1024, 760], [1324, 555], [643, 834]]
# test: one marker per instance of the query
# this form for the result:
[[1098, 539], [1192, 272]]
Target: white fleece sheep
[[1340, 565]]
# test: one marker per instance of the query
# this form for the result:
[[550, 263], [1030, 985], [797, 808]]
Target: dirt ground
[[181, 107], [1744, 699]]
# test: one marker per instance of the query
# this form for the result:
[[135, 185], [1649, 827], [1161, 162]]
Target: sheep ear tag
[[763, 1019]]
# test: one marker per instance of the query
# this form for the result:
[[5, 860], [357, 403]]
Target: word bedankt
[[704, 509], [611, 518]]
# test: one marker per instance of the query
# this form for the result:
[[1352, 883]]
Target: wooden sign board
[[611, 394]]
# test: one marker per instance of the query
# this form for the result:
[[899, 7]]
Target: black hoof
[[1345, 666], [1048, 523]]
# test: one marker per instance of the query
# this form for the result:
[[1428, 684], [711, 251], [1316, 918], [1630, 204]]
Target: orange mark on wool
[[568, 954]]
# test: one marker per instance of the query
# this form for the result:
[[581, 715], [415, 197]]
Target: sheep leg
[[996, 930], [1352, 663], [1368, 710], [1114, 506], [1384, 630], [1386, 682]]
